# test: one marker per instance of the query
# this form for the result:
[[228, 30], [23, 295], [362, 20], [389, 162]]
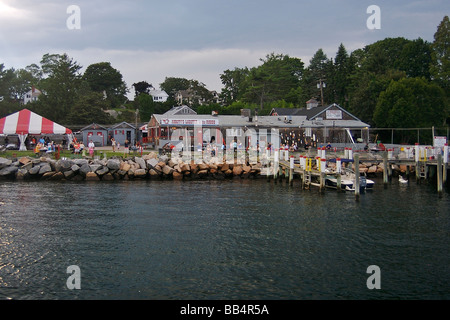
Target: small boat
[[402, 180], [348, 181]]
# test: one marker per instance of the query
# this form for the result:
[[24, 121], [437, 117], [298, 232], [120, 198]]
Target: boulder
[[75, 168], [24, 160], [34, 170], [45, 168], [22, 174], [102, 171], [95, 167], [113, 164], [372, 169], [8, 171], [140, 162], [177, 175], [108, 177], [167, 170], [57, 176], [63, 165], [91, 176], [48, 175], [140, 173], [237, 170], [152, 163], [69, 174], [5, 162], [85, 169]]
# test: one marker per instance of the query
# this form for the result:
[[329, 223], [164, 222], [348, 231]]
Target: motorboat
[[348, 181], [402, 180]]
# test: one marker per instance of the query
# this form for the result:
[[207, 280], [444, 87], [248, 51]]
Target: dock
[[314, 171]]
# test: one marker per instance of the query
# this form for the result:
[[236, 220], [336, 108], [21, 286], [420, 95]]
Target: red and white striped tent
[[26, 122]]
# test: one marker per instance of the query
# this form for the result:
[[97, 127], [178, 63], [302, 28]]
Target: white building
[[158, 95], [31, 95]]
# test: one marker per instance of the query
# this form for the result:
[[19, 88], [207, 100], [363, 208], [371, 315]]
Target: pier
[[312, 171]]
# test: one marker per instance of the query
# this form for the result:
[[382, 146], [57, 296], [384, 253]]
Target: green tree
[[102, 77], [278, 77], [440, 55], [318, 72], [141, 87], [89, 108], [172, 85], [146, 106], [60, 86], [233, 84], [411, 102]]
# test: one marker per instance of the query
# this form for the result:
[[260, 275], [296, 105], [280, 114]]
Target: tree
[[89, 108], [172, 85], [278, 77], [411, 102], [318, 72], [60, 87], [102, 77], [440, 55], [145, 105], [234, 84], [141, 87], [341, 76]]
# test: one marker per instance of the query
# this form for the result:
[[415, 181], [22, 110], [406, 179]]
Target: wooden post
[[439, 174], [417, 158], [445, 160], [291, 170], [357, 175], [338, 171], [385, 168], [276, 165]]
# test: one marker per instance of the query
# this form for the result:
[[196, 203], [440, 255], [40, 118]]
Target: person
[[328, 147], [113, 142], [91, 146], [126, 148], [366, 147], [381, 147]]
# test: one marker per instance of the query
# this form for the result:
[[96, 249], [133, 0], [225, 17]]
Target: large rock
[[34, 170], [75, 168], [24, 160], [108, 177], [95, 167], [167, 170], [152, 163], [237, 170], [140, 173], [69, 174], [177, 175], [63, 165], [125, 166], [140, 162], [102, 171], [45, 168], [22, 174], [85, 169], [4, 162], [80, 162], [8, 171], [91, 176], [113, 164]]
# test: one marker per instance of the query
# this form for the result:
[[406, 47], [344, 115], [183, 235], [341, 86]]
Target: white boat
[[402, 180], [348, 181]]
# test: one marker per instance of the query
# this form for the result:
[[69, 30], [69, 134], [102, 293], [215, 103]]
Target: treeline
[[391, 83]]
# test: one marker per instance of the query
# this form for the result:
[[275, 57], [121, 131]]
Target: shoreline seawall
[[151, 166]]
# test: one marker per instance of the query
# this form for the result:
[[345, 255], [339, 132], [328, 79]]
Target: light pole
[[320, 85]]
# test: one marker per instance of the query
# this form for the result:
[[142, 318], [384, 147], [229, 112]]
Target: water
[[239, 239]]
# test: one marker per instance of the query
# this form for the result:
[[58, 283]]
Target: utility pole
[[320, 85]]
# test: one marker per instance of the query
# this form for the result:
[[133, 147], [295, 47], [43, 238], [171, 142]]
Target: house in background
[[31, 95], [97, 133], [179, 110], [158, 95], [123, 131]]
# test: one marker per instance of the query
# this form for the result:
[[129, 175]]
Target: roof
[[309, 113], [28, 122], [123, 125], [180, 110], [94, 126], [158, 93], [259, 122]]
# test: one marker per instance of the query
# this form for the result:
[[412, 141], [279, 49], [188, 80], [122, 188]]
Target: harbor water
[[237, 239]]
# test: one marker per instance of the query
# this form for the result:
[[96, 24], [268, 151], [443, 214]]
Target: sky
[[199, 39]]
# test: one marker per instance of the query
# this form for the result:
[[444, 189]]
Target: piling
[[439, 174], [385, 168], [357, 175], [291, 170], [444, 176], [276, 165], [338, 171]]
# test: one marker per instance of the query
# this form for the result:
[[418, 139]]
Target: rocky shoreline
[[149, 166]]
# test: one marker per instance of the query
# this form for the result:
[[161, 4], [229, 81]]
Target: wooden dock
[[312, 171]]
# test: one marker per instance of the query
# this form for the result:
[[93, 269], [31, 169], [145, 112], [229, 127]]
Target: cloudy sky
[[148, 40]]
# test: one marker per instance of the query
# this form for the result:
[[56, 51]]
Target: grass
[[15, 154]]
